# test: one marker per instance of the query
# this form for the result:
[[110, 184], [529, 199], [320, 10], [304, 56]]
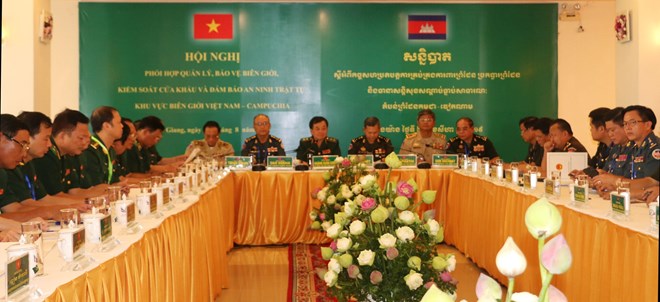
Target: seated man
[[424, 143], [560, 139], [144, 157], [618, 160], [466, 142], [317, 144], [371, 142], [599, 134], [100, 156], [534, 150], [262, 144], [211, 146]]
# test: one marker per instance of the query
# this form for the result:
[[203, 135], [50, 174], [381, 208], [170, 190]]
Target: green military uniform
[[24, 182], [600, 158], [137, 159], [480, 146], [534, 154], [380, 148], [308, 147], [271, 147], [414, 143], [57, 172], [7, 196], [153, 155], [219, 151], [99, 161], [120, 164], [645, 160], [618, 161]]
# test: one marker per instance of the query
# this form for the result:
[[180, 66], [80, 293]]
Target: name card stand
[[17, 279], [279, 162], [580, 196], [167, 198], [125, 215], [323, 162], [654, 213], [445, 161], [408, 161], [552, 188], [620, 206], [98, 231], [238, 162], [147, 205], [72, 249]]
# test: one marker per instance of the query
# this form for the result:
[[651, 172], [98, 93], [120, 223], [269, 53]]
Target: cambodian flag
[[427, 27]]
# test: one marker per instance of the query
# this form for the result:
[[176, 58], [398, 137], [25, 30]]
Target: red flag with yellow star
[[214, 26]]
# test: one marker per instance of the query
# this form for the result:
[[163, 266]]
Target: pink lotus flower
[[346, 163], [333, 245], [392, 253], [404, 189], [556, 255], [556, 295], [429, 284], [368, 204], [353, 271], [376, 277], [445, 276]]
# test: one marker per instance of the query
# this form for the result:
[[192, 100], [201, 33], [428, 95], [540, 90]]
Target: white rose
[[346, 192], [357, 227], [343, 244], [325, 225], [339, 159], [433, 227], [452, 263], [313, 215], [367, 181], [359, 199], [321, 195], [366, 257], [331, 199], [333, 230], [356, 189], [524, 297], [405, 233], [334, 266], [387, 240], [407, 217], [413, 280], [349, 208], [330, 278]]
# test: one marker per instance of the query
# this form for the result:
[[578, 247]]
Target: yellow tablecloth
[[183, 259]]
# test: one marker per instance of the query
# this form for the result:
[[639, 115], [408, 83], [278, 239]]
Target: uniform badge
[[326, 151], [638, 159], [622, 157], [656, 153], [2, 191], [479, 148], [416, 145], [363, 149]]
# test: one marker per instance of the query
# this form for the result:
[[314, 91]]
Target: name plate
[[280, 162], [106, 227], [549, 186], [97, 227], [580, 194], [18, 275], [445, 161], [408, 160], [527, 181], [166, 194], [367, 159], [618, 203], [71, 243], [147, 203], [238, 162], [324, 162]]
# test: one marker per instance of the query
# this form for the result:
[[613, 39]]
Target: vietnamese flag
[[213, 26], [427, 27]]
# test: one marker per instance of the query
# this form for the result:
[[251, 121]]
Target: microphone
[[423, 165]]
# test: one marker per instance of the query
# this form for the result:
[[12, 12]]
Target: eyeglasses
[[25, 146], [631, 123], [425, 120], [261, 124]]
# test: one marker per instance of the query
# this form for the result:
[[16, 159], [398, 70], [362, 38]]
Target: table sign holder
[[147, 205], [281, 163], [71, 244], [580, 197], [17, 280], [35, 264], [445, 161], [167, 195], [408, 161], [98, 232], [125, 215], [180, 182], [620, 206], [238, 162], [323, 162], [654, 212]]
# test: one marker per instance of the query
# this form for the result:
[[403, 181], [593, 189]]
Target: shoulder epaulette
[[385, 139], [331, 139], [411, 135], [94, 144], [275, 138], [306, 139], [453, 139], [250, 138], [481, 137]]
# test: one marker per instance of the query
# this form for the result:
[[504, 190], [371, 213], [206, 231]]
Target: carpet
[[305, 266]]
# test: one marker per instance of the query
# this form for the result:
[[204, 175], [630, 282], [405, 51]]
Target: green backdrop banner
[[189, 63]]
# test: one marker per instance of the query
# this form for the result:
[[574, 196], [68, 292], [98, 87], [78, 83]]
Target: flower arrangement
[[621, 27], [381, 250]]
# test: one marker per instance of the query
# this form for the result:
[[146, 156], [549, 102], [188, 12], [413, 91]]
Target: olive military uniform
[[7, 196], [534, 154], [24, 182], [120, 164], [219, 151], [99, 161], [414, 143], [57, 172], [308, 147], [380, 148], [480, 146], [153, 155], [645, 158], [137, 159], [600, 158], [618, 161], [253, 147]]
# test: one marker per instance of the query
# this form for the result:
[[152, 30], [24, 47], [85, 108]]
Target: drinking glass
[[68, 218]]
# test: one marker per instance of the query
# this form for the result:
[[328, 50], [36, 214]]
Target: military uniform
[[99, 161], [24, 182], [153, 155], [219, 151], [253, 147], [380, 148], [600, 158], [573, 145], [307, 146], [57, 172], [7, 196], [534, 154], [481, 146], [618, 161], [137, 159], [645, 159], [120, 164], [414, 143]]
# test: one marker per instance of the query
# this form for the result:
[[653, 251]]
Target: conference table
[[182, 256]]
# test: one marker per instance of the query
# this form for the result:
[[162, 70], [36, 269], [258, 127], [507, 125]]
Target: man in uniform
[[100, 156], [262, 144], [424, 143], [60, 170], [560, 139], [211, 146], [599, 134], [144, 157], [371, 142], [534, 150], [466, 142], [617, 162], [319, 143]]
